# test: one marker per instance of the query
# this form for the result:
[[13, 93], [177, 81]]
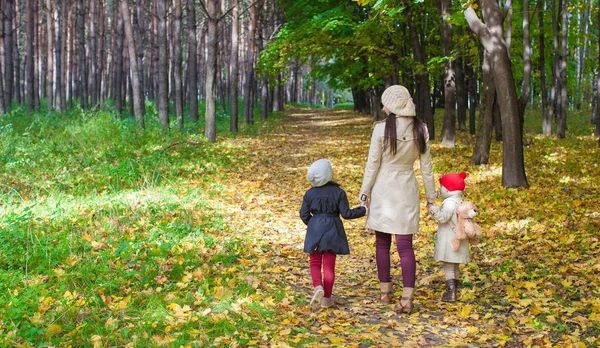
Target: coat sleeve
[[372, 166], [446, 212], [305, 210], [427, 171], [345, 210]]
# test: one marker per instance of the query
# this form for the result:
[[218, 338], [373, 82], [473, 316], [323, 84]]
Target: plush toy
[[466, 228]]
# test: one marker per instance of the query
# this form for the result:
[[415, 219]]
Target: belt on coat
[[401, 168], [326, 214]]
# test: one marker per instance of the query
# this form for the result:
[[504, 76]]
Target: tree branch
[[480, 29]]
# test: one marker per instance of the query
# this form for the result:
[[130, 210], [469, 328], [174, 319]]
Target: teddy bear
[[466, 228]]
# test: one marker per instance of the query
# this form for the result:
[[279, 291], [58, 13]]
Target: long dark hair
[[390, 135]]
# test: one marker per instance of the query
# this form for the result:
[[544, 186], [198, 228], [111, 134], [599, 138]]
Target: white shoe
[[315, 303]]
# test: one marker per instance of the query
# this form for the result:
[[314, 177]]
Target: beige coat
[[390, 184]]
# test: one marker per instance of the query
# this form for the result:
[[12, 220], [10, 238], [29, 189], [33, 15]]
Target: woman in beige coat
[[390, 189]]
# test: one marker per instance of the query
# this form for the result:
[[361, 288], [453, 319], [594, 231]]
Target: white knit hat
[[398, 100], [319, 173]]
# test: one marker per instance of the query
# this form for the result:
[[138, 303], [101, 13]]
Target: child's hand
[[433, 209]]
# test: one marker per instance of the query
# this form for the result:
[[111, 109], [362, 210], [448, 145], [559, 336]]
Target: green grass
[[107, 229]]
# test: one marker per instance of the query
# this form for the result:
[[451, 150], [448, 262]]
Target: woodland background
[[123, 221]]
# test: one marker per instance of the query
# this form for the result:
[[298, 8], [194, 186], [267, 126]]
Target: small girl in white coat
[[451, 189]]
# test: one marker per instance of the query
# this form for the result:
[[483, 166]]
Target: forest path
[[264, 198]]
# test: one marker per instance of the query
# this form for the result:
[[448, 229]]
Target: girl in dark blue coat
[[325, 235]]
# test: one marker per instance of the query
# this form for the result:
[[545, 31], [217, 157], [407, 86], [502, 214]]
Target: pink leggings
[[406, 253], [327, 260]]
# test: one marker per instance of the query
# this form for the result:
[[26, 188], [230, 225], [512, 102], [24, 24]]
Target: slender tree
[[134, 73], [249, 87], [192, 61], [83, 78], [176, 64], [7, 7], [561, 125], [50, 55], [526, 85], [29, 73], [212, 13], [163, 78], [547, 117], [448, 125], [234, 69], [490, 35]]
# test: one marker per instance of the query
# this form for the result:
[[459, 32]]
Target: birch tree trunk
[[234, 69], [192, 61], [449, 123], [211, 70], [598, 92], [490, 35], [134, 74]]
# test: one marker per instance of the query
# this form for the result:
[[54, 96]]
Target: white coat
[[389, 181], [447, 218]]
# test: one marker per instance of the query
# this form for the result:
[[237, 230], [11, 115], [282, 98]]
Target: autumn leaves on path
[[266, 192]]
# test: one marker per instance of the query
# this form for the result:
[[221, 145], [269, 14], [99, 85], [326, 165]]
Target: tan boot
[[327, 302], [386, 292], [406, 302]]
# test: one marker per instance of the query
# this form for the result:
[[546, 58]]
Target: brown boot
[[406, 301], [386, 291], [450, 294]]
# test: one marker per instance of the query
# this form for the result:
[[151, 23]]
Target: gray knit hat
[[319, 173], [398, 100]]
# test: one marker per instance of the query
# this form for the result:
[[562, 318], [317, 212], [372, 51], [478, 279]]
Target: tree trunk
[[598, 90], [36, 57], [178, 87], [561, 126], [481, 152], [93, 53], [138, 21], [547, 118], [233, 67], [17, 87], [248, 89], [526, 86], [461, 94], [192, 61], [211, 70], [118, 60], [60, 92], [134, 73], [82, 86], [423, 96], [449, 123], [513, 166], [163, 73], [29, 71], [471, 78], [554, 91], [49, 54], [9, 77]]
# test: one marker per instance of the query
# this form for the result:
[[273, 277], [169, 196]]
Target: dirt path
[[263, 198]]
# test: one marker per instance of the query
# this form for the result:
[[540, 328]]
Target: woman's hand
[[429, 205], [365, 204]]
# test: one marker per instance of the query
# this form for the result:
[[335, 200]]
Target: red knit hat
[[454, 182]]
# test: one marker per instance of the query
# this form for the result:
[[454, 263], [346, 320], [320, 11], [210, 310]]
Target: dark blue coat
[[320, 211]]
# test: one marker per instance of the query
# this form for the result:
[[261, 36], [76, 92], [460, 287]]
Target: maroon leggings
[[406, 253], [327, 260]]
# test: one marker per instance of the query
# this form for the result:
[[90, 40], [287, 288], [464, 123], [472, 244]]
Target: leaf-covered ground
[[112, 240], [532, 282]]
